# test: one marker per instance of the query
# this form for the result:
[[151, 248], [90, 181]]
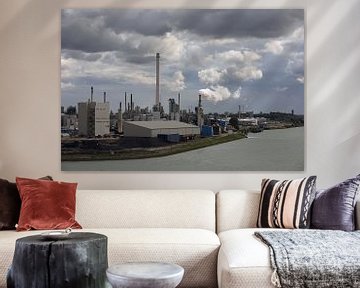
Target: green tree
[[234, 122]]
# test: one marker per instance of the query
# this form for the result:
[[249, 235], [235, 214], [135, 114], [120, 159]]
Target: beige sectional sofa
[[177, 226]]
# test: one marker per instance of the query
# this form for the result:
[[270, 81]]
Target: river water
[[270, 150]]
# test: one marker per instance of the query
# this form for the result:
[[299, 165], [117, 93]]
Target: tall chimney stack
[[157, 99], [179, 101], [104, 97], [131, 103], [120, 120], [91, 94], [125, 103], [200, 118]]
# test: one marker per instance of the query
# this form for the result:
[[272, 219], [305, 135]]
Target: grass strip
[[151, 152]]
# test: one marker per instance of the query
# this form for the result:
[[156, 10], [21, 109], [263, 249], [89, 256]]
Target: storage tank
[[207, 131]]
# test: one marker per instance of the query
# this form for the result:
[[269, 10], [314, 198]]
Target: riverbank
[[271, 150], [142, 153], [279, 125]]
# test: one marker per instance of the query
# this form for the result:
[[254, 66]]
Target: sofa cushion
[[286, 204], [334, 208], [236, 209], [153, 209], [244, 261], [46, 204], [194, 249]]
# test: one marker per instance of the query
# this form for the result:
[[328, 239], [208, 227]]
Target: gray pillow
[[334, 208]]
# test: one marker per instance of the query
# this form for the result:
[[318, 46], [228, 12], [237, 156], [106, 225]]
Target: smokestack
[[119, 120], [131, 103], [179, 101], [104, 97], [125, 102], [199, 111], [92, 94], [157, 99]]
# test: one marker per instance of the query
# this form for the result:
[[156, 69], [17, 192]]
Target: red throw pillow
[[10, 204], [46, 204]]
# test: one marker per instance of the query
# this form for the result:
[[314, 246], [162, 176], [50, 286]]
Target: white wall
[[30, 94]]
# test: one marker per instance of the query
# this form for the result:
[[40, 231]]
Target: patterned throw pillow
[[286, 204]]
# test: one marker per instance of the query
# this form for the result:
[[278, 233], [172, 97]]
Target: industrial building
[[252, 121], [174, 109], [151, 129], [69, 121], [94, 117], [199, 113]]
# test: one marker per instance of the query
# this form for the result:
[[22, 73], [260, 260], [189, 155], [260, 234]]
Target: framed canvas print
[[182, 90]]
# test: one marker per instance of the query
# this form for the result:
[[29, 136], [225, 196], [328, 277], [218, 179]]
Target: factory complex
[[93, 118], [92, 131]]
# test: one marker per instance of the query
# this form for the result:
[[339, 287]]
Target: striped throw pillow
[[286, 204]]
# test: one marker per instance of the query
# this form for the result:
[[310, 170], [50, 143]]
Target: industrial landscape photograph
[[182, 90]]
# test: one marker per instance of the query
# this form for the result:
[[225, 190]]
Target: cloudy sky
[[252, 58]]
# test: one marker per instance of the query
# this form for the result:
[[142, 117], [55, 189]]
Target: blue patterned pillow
[[334, 208]]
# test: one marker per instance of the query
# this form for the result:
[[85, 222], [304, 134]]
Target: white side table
[[145, 275]]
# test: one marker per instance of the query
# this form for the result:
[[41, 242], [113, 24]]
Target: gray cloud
[[207, 22], [87, 35], [256, 23], [222, 52], [150, 22], [140, 59], [76, 54], [98, 30]]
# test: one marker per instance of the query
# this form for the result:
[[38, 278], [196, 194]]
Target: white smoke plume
[[218, 93]]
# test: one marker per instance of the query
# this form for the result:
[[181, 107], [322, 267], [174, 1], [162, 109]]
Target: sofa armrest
[[357, 215]]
